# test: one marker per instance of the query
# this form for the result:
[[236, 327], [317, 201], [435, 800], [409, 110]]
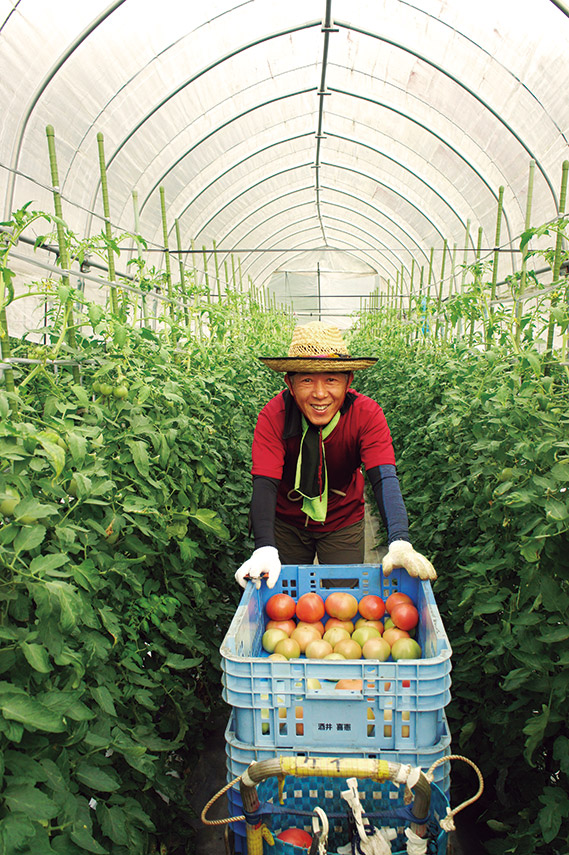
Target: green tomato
[[9, 502], [120, 391], [106, 389]]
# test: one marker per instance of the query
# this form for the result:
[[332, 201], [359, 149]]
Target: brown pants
[[300, 545]]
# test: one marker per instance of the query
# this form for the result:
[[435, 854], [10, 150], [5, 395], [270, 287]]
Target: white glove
[[402, 554], [264, 561]]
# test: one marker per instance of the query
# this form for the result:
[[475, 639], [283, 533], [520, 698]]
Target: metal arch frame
[[381, 249], [350, 94], [17, 147], [308, 247], [287, 32], [350, 251], [343, 193], [290, 169], [335, 205], [115, 5], [560, 5], [192, 79], [476, 97], [368, 99], [285, 140]]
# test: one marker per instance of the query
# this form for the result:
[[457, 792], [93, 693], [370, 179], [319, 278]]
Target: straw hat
[[315, 348]]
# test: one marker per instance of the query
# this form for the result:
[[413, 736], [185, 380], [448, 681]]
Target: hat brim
[[317, 364]]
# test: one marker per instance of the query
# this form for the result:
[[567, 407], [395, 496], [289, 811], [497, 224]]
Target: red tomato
[[371, 607], [405, 616], [287, 625], [341, 605], [280, 607], [396, 597], [310, 607], [296, 836]]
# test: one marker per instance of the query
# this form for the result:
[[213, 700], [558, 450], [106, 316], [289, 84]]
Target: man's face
[[319, 396]]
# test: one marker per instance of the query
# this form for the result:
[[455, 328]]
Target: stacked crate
[[398, 715]]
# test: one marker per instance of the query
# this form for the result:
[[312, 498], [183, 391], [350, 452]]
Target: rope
[[447, 823], [213, 800]]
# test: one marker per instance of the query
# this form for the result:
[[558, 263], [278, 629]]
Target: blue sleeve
[[387, 492]]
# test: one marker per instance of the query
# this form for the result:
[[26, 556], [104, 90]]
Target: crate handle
[[339, 583]]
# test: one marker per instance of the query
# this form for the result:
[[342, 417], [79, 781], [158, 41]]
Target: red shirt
[[361, 438]]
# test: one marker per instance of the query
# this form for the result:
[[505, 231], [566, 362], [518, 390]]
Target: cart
[[399, 804]]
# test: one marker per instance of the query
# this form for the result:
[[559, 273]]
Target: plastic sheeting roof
[[377, 127]]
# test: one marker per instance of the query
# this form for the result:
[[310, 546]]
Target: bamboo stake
[[440, 299], [557, 259], [137, 231], [167, 254], [63, 254], [107, 214], [182, 271], [518, 303]]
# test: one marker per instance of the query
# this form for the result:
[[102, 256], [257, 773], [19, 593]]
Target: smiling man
[[311, 442]]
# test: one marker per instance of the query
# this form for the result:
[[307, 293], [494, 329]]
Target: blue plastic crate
[[400, 704], [379, 800], [240, 754]]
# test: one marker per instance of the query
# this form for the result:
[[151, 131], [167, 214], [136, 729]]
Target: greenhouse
[[188, 189]]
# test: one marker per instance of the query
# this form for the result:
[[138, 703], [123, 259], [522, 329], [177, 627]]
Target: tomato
[[9, 502], [317, 624], [350, 685], [406, 648], [371, 607], [304, 635], [280, 607], [396, 597], [345, 624], [120, 391], [288, 647], [405, 616], [287, 625], [310, 607], [393, 634], [296, 836], [341, 605], [271, 637]]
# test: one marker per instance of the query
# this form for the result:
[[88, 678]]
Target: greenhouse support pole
[[477, 278], [63, 254], [499, 214], [216, 263], [182, 272], [206, 275], [137, 231], [440, 299], [107, 215], [518, 303], [167, 254], [557, 262]]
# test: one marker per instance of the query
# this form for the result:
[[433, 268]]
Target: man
[[309, 446]]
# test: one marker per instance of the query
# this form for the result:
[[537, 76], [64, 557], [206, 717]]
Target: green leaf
[[180, 663], [208, 520], [114, 823], [97, 779], [140, 456], [535, 730], [54, 453], [555, 812], [31, 713], [16, 830], [86, 842], [29, 537], [47, 563], [30, 801], [103, 697], [36, 656], [78, 447], [558, 633]]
